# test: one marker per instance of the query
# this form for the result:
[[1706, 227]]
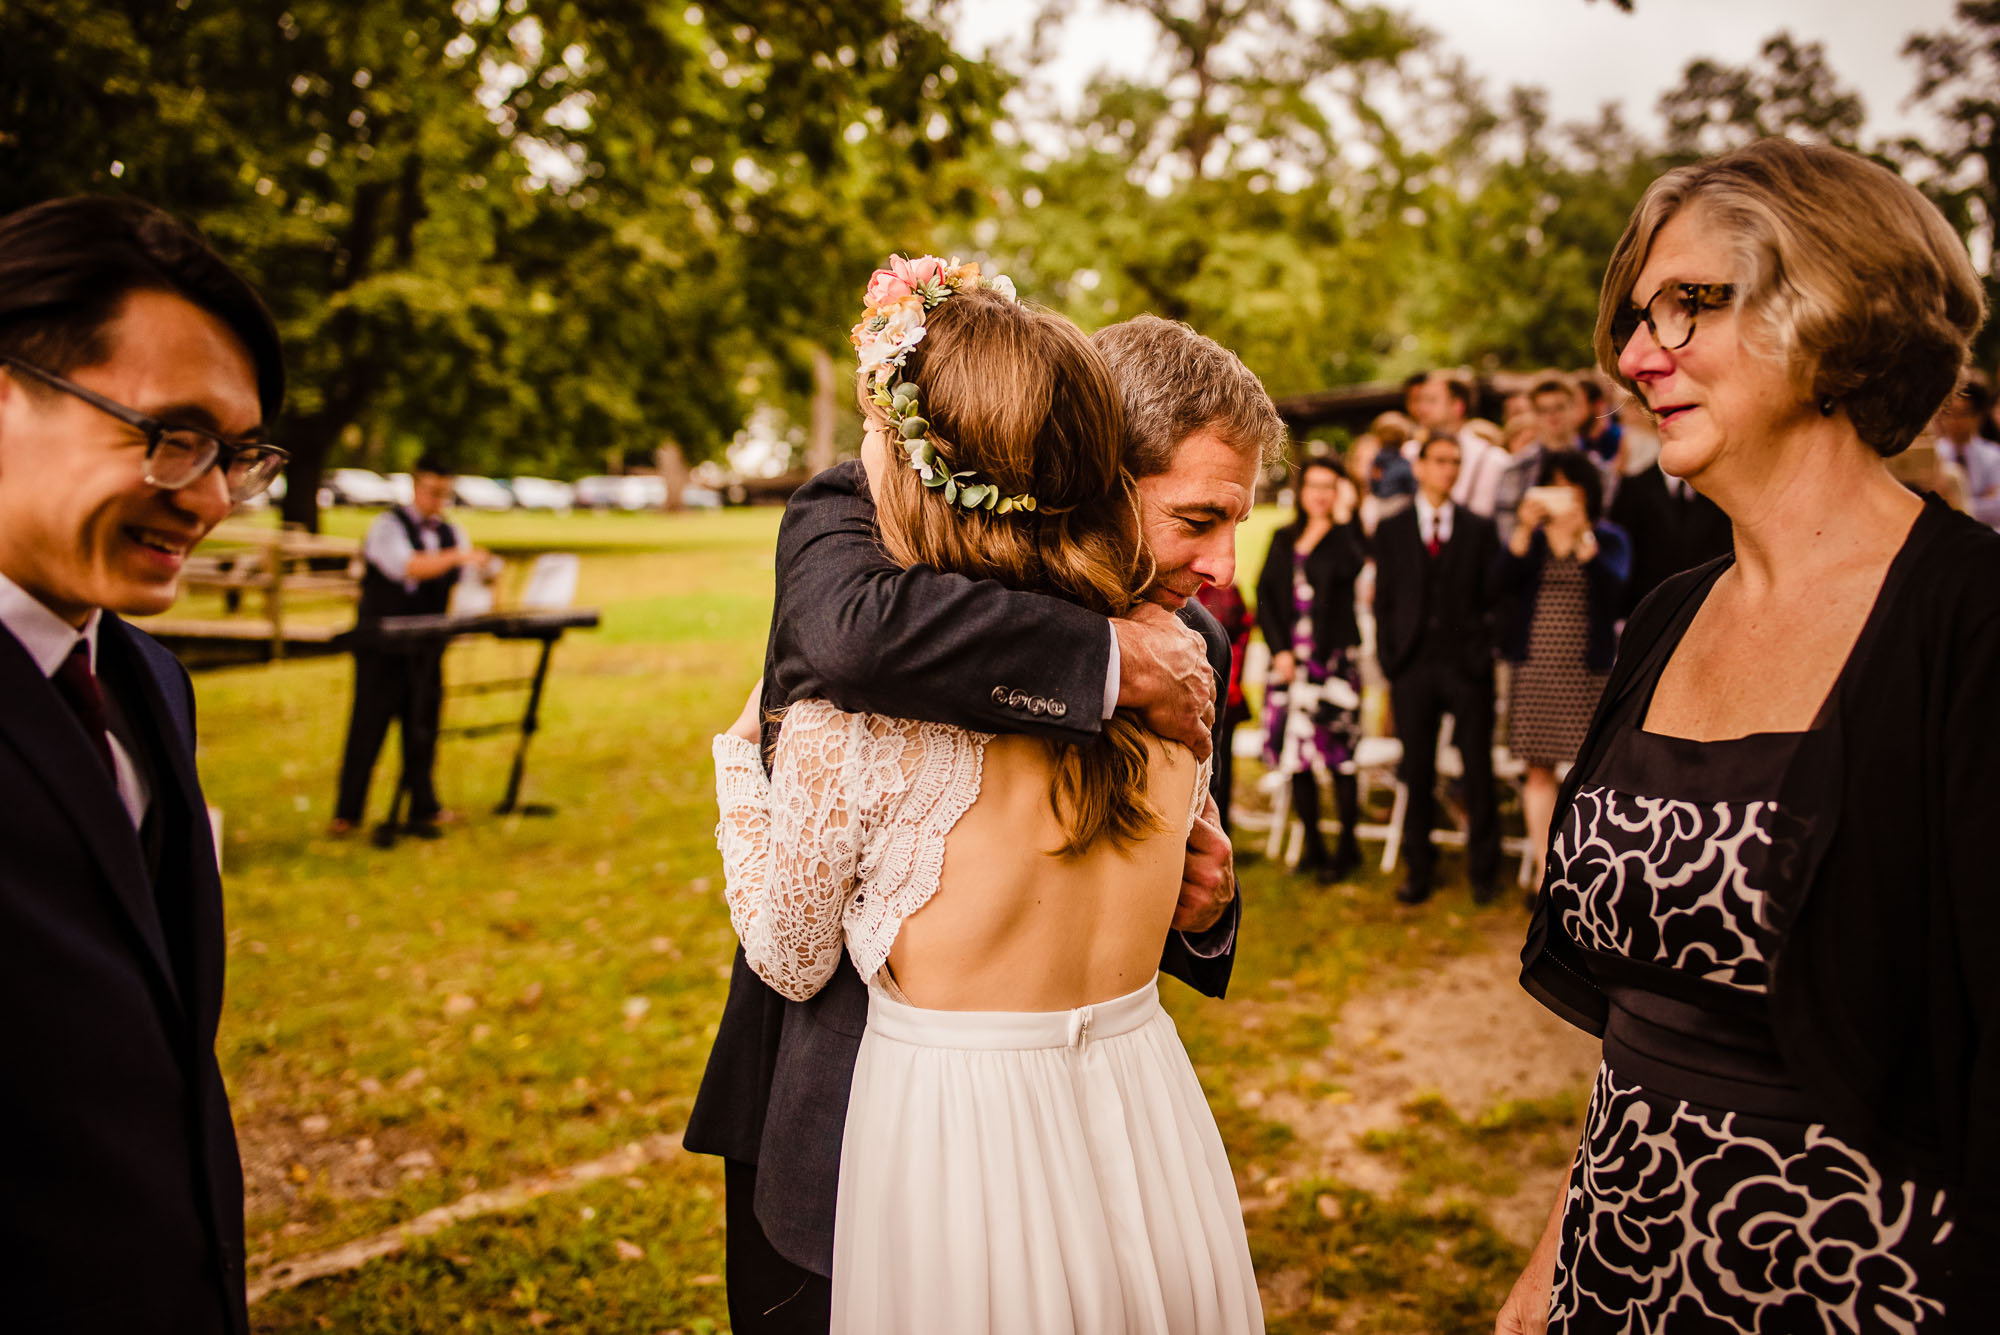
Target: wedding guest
[[138, 371], [412, 558], [1434, 618], [1312, 693], [1225, 603], [1562, 572], [1771, 891], [1671, 527], [1956, 430], [1603, 436]]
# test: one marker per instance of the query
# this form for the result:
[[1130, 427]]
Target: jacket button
[[1037, 705], [1057, 709], [999, 695], [1017, 699]]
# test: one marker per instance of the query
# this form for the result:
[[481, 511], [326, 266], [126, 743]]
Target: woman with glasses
[[1770, 888]]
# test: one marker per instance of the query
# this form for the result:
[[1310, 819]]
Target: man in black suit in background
[[1672, 526], [1434, 627], [850, 627], [136, 371]]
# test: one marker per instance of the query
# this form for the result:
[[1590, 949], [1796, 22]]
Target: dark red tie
[[78, 685], [1433, 543]]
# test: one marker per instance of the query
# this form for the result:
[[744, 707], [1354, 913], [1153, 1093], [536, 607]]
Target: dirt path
[[1464, 1031]]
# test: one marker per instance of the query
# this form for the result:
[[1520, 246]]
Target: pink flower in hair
[[924, 269], [886, 288]]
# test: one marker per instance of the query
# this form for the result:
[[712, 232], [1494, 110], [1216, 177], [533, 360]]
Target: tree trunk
[[819, 437], [672, 464]]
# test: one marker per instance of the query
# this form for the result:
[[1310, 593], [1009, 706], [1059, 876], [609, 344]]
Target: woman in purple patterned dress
[[1312, 696]]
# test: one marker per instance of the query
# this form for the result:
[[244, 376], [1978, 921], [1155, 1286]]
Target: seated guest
[[1772, 889], [1563, 573], [1305, 607], [1434, 619]]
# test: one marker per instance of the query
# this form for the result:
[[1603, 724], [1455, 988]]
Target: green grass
[[404, 1026]]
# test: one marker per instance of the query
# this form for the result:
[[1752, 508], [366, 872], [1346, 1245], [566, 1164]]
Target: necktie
[[79, 688], [1433, 543]]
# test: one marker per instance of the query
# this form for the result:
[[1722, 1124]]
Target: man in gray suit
[[850, 627]]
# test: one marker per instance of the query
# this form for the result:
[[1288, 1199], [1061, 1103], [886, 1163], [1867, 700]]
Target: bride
[[1027, 1148]]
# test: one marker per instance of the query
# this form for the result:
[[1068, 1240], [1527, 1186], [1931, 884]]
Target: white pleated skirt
[[1039, 1173]]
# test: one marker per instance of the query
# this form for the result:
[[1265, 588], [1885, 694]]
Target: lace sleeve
[[1204, 773], [791, 844]]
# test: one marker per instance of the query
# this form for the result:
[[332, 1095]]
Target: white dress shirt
[[50, 640], [1434, 520]]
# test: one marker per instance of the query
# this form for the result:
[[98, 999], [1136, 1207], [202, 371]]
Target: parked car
[[634, 491], [701, 498], [359, 486], [406, 488], [642, 491], [481, 493], [596, 493], [542, 493]]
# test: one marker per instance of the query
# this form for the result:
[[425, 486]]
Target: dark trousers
[[768, 1295], [408, 688], [1421, 697]]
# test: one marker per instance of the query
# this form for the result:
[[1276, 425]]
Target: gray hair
[[1175, 383]]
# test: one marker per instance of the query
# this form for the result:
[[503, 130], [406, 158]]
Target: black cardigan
[[1885, 978], [1604, 577], [1330, 568]]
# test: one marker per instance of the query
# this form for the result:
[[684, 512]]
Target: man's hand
[[1208, 878], [1163, 672], [750, 723]]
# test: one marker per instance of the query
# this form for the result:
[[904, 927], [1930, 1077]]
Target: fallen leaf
[[628, 1251], [459, 1004], [1329, 1207], [315, 1125]]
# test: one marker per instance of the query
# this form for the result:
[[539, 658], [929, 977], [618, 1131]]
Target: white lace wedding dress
[[1003, 1172]]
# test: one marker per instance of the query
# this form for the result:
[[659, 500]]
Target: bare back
[[1012, 926]]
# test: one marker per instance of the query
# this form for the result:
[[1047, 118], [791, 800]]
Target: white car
[[359, 486], [481, 493], [542, 493]]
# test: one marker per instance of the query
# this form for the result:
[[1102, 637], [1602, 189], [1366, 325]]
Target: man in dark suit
[[850, 627], [1434, 629], [1672, 526], [136, 370]]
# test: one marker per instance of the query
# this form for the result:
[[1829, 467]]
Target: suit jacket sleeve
[[1203, 960], [872, 637]]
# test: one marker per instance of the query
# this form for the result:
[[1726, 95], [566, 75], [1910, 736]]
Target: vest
[[385, 597]]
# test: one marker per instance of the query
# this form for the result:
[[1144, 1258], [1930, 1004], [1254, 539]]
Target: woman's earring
[[1826, 405]]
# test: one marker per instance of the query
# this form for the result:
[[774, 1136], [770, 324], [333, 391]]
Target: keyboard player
[[413, 557]]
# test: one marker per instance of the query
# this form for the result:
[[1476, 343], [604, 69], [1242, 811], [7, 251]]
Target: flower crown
[[899, 297]]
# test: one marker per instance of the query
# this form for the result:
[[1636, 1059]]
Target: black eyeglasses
[[1670, 316], [177, 456]]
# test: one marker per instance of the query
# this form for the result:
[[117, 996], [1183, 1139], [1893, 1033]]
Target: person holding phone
[[1562, 572]]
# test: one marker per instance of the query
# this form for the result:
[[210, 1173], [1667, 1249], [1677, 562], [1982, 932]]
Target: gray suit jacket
[[850, 627]]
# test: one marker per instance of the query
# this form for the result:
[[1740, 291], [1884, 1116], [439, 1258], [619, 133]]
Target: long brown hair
[[1019, 396]]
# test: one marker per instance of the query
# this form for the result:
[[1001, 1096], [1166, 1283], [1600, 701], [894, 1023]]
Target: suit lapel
[[39, 725]]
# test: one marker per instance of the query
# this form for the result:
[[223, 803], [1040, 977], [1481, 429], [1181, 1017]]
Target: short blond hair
[[1843, 271]]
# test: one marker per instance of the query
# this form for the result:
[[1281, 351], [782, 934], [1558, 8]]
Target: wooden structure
[[270, 566]]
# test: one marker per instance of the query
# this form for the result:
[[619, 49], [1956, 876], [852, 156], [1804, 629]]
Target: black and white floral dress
[[1704, 1196]]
